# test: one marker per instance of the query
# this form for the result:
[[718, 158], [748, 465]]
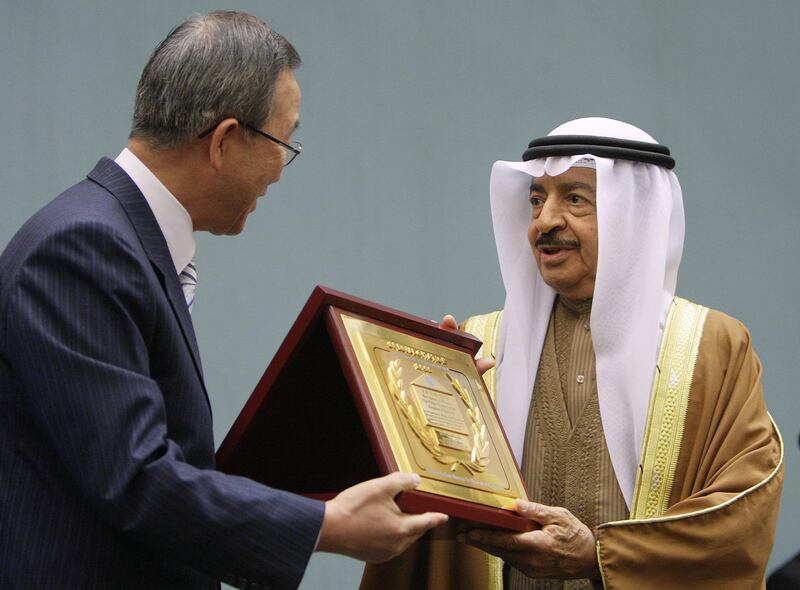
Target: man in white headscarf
[[637, 417]]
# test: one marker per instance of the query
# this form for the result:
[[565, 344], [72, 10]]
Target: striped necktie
[[188, 278]]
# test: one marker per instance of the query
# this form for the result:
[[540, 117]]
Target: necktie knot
[[188, 279]]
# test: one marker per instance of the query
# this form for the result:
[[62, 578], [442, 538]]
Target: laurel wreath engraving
[[479, 455]]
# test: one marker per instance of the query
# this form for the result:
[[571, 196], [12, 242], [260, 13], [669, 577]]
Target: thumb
[[540, 513], [419, 523], [484, 364], [397, 482], [448, 323]]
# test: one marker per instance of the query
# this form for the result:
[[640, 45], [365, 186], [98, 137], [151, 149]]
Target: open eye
[[536, 201], [574, 199]]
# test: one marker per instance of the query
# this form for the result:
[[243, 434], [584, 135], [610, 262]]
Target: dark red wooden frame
[[310, 425]]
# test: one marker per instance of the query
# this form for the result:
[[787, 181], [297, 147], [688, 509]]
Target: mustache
[[552, 239]]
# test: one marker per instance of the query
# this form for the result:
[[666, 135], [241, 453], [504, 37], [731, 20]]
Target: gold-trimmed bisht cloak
[[710, 477]]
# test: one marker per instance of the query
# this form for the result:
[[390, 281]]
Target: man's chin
[[569, 289], [233, 230], [236, 229]]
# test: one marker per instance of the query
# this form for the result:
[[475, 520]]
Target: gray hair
[[222, 64]]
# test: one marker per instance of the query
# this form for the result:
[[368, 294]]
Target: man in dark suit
[[107, 473]]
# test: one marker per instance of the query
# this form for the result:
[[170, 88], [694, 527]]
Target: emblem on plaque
[[434, 415]]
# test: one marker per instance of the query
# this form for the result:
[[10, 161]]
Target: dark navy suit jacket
[[106, 450]]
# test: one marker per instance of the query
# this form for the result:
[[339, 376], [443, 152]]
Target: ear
[[220, 142]]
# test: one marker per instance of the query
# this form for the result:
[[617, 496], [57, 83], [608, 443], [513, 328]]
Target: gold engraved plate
[[441, 409], [436, 414], [453, 441]]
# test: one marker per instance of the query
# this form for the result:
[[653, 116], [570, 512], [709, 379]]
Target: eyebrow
[[296, 125], [572, 185]]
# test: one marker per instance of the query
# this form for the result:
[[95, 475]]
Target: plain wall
[[405, 106]]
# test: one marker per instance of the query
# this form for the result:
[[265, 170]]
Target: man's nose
[[550, 217]]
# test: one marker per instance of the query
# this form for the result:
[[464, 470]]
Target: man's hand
[[484, 364], [365, 523], [564, 547], [448, 323]]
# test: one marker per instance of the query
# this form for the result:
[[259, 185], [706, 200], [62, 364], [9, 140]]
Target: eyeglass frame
[[294, 148]]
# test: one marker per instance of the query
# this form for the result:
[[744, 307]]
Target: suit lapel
[[110, 176]]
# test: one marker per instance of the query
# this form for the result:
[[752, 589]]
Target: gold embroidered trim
[[486, 328], [600, 563], [495, 565], [667, 413]]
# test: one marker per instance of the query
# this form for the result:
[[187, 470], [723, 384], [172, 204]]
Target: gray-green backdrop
[[406, 103]]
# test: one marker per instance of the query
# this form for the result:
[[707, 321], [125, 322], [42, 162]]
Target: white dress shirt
[[171, 216]]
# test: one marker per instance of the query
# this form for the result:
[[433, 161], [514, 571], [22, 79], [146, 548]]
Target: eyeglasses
[[290, 150]]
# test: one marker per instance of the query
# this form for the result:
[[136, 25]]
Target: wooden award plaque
[[358, 390]]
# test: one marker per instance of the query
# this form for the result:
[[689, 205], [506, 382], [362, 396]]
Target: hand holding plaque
[[363, 521], [357, 391]]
